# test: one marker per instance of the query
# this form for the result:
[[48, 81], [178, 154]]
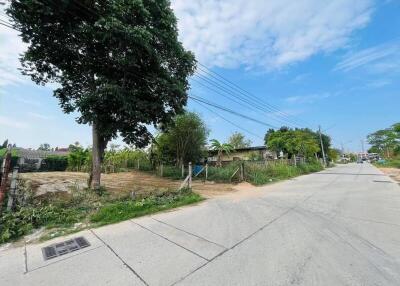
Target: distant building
[[32, 159], [243, 154]]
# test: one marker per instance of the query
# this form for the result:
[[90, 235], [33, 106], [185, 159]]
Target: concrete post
[[190, 175]]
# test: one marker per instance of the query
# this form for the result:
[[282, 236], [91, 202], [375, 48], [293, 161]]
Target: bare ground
[[140, 182], [394, 173]]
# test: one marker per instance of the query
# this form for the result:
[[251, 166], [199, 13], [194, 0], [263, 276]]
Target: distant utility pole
[[362, 146], [322, 145]]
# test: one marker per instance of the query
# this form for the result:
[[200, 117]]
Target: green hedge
[[54, 163]]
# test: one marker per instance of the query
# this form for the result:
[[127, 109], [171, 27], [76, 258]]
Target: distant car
[[360, 161]]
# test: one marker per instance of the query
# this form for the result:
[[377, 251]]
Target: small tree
[[44, 147], [5, 144], [118, 63], [238, 140], [220, 148], [184, 140]]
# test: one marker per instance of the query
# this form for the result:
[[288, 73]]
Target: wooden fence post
[[190, 175], [183, 170], [295, 160], [206, 173], [242, 171], [13, 189], [4, 177], [138, 164]]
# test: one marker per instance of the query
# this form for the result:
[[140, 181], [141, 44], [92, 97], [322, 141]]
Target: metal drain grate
[[377, 181], [64, 247]]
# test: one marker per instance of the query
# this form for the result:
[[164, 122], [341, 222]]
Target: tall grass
[[260, 174], [389, 163]]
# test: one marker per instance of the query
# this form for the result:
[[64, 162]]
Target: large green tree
[[385, 141], [118, 63], [303, 142], [237, 140], [184, 139]]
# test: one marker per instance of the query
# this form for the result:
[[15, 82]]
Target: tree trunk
[[99, 145]]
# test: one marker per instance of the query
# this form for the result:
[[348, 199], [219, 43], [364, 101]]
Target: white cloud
[[253, 33], [8, 122], [39, 115], [378, 59], [308, 98], [11, 46], [379, 83], [267, 34]]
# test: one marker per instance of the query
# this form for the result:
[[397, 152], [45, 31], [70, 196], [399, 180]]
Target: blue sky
[[329, 63]]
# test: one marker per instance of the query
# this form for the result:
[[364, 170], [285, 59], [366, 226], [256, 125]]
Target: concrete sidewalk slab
[[156, 260], [12, 266], [223, 221], [196, 244]]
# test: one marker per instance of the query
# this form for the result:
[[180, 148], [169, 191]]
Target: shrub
[[54, 163], [16, 224]]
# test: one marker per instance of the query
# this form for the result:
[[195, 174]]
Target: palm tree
[[221, 148]]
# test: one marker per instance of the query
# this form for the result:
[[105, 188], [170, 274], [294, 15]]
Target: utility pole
[[322, 145]]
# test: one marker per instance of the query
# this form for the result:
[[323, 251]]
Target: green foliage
[[390, 163], [237, 140], [386, 142], [222, 174], [260, 174], [14, 156], [334, 154], [255, 156], [183, 141], [120, 65], [54, 163], [299, 142], [60, 211], [16, 224], [44, 147], [126, 159], [123, 210], [79, 159], [221, 148]]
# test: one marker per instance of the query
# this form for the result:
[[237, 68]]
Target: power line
[[230, 111], [245, 92], [227, 120], [252, 105]]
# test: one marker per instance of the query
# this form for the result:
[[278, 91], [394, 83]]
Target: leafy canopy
[[221, 147], [302, 142], [184, 140], [118, 63], [237, 140], [386, 141]]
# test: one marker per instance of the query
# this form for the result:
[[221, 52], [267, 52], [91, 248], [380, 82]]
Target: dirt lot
[[394, 173], [140, 182]]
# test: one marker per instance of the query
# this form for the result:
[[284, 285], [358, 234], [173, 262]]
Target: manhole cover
[[64, 247]]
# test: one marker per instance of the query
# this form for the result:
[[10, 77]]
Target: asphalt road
[[337, 227]]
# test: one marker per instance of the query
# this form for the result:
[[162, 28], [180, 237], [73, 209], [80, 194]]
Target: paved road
[[338, 227]]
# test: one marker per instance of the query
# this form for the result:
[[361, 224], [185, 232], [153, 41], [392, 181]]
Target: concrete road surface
[[337, 227]]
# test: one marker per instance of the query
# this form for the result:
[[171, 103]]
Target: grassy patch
[[63, 213], [391, 163], [119, 211], [261, 173]]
